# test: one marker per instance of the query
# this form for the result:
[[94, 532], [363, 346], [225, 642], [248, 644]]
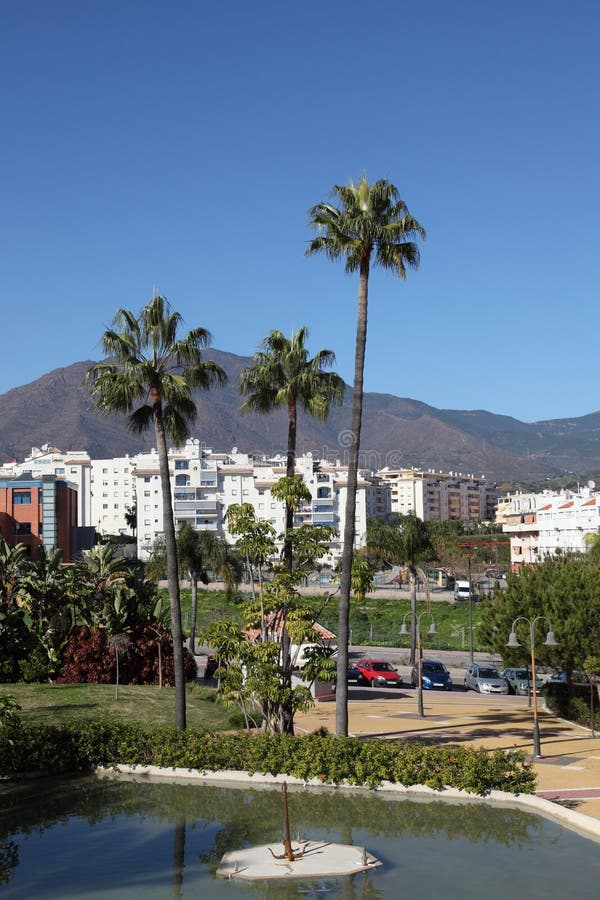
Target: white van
[[462, 590]]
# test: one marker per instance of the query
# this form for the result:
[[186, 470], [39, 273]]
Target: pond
[[106, 839]]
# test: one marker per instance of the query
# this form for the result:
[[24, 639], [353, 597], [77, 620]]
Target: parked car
[[379, 673], [355, 676], [485, 678], [560, 677], [519, 681], [434, 676]]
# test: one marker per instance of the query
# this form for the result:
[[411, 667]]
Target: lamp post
[[470, 611], [550, 641], [432, 630]]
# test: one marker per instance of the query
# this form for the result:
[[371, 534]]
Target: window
[[105, 471], [105, 506], [22, 498], [59, 471], [73, 470], [22, 527]]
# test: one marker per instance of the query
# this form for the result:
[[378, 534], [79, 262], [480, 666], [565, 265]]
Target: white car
[[485, 679]]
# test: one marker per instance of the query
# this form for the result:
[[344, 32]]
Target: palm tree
[[198, 552], [282, 374], [150, 366], [370, 225]]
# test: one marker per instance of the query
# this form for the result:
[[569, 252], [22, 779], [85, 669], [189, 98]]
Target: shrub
[[321, 756], [87, 658], [570, 702]]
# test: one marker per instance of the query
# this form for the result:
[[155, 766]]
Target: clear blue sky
[[180, 145]]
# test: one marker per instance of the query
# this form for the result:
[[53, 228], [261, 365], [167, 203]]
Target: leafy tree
[[255, 542], [362, 579], [371, 225], [255, 661], [150, 366], [565, 591]]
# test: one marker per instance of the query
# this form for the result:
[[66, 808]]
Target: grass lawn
[[377, 620], [57, 703]]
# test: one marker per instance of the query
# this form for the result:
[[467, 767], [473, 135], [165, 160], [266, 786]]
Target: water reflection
[[115, 839]]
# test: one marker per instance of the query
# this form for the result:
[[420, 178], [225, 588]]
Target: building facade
[[39, 512], [205, 484], [548, 523], [439, 496]]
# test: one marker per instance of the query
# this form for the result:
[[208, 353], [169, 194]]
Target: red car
[[378, 673]]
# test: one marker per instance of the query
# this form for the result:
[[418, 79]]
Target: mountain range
[[56, 409]]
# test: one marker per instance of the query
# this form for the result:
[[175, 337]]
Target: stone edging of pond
[[585, 825]]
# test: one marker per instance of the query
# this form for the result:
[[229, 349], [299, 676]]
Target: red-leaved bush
[[88, 658]]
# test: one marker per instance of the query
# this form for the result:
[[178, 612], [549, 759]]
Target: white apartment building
[[438, 496], [112, 493], [204, 484], [541, 525]]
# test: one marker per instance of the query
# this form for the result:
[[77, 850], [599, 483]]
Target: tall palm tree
[[370, 225], [149, 365], [282, 374]]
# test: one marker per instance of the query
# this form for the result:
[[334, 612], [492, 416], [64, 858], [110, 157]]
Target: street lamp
[[432, 630], [550, 641]]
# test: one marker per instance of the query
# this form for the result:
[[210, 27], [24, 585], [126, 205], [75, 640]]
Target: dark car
[[355, 676], [379, 673], [560, 677], [434, 676]]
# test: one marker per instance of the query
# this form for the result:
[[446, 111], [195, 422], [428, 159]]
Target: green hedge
[[573, 702], [322, 756]]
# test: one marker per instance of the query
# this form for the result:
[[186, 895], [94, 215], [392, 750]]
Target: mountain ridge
[[397, 431]]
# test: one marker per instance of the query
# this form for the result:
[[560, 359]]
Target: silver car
[[485, 679], [520, 681]]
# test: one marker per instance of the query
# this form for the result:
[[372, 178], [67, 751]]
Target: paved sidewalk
[[567, 773]]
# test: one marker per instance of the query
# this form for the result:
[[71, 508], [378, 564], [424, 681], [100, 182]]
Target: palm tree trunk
[[172, 568], [341, 700], [287, 712]]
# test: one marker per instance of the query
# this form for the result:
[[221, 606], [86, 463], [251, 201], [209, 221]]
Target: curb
[[584, 825]]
